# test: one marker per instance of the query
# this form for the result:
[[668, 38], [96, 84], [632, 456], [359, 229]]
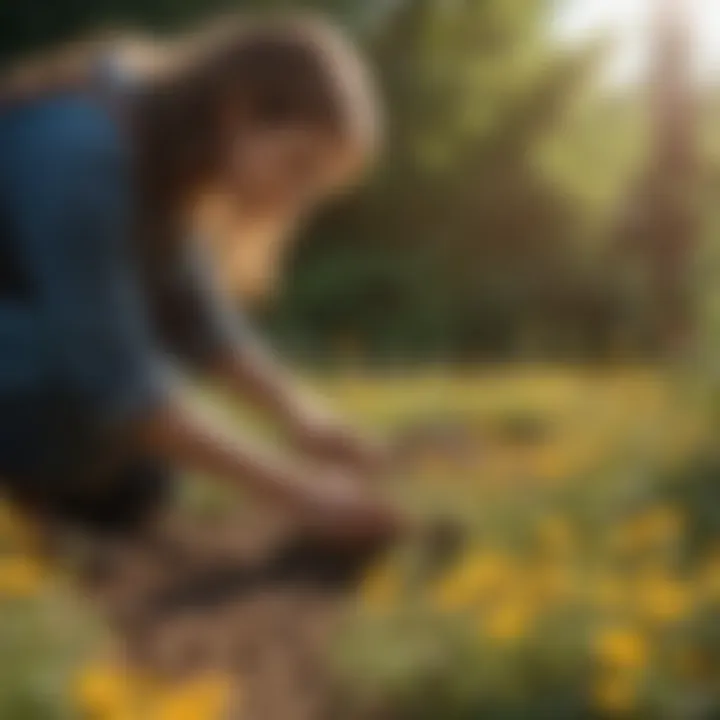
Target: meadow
[[589, 585]]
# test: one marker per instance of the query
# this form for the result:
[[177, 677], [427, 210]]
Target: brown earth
[[250, 600], [244, 596]]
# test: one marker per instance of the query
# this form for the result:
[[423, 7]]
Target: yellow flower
[[205, 698], [621, 648], [20, 576], [104, 691], [107, 692], [616, 694], [381, 588], [507, 622], [662, 598], [474, 577]]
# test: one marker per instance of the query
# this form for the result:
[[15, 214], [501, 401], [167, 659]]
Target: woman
[[103, 170]]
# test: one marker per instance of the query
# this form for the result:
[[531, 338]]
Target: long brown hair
[[270, 69]]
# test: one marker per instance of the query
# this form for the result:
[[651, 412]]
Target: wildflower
[[204, 698], [20, 576], [381, 588], [508, 622], [662, 598], [105, 691], [621, 648], [472, 579]]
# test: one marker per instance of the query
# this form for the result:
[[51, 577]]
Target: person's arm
[[329, 504], [203, 327], [313, 427], [100, 348]]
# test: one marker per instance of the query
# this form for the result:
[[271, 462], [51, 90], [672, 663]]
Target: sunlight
[[628, 23]]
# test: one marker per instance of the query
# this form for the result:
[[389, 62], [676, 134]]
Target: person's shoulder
[[66, 125]]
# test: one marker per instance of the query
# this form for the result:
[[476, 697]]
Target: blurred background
[[525, 297], [546, 190]]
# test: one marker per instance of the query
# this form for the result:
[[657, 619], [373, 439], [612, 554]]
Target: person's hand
[[340, 509], [327, 439]]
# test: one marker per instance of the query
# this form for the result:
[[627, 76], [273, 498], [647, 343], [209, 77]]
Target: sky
[[627, 23]]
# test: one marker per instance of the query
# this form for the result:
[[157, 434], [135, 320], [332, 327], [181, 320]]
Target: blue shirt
[[82, 347]]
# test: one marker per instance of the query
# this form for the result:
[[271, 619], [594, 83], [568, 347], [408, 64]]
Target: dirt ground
[[248, 599], [245, 596]]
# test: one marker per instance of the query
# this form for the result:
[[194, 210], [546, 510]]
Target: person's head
[[260, 119], [275, 113]]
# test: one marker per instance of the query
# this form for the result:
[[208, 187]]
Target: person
[[107, 295]]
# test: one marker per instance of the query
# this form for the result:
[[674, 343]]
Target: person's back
[[69, 368], [33, 147], [105, 285], [43, 145]]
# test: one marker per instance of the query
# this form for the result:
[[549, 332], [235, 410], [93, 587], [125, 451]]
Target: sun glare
[[628, 24]]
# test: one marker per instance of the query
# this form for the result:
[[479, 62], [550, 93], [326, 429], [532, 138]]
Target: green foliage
[[483, 210]]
